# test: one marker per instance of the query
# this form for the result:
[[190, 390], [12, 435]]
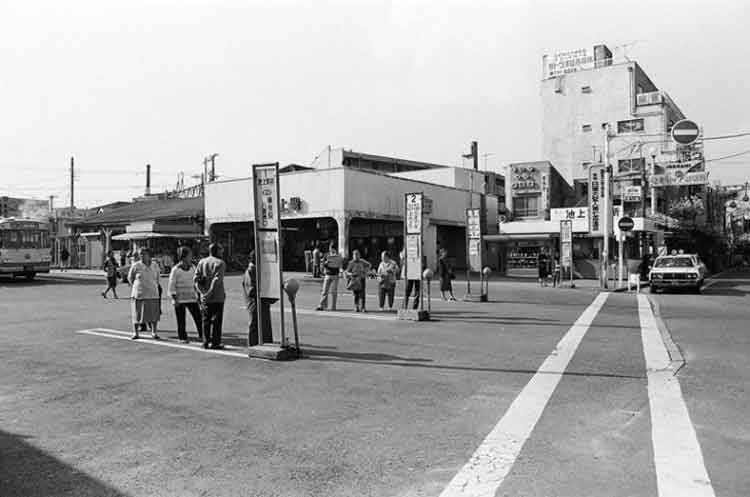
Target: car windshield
[[674, 262]]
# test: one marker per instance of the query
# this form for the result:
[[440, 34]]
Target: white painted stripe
[[680, 470], [124, 335], [686, 132], [490, 464]]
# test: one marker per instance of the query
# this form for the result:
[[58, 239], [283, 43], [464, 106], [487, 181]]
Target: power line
[[728, 156]]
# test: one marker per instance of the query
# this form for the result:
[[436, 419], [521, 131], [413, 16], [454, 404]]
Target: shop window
[[630, 165], [586, 128], [585, 89], [526, 206], [630, 126]]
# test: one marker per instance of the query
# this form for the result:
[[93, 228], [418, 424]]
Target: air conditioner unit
[[641, 99]]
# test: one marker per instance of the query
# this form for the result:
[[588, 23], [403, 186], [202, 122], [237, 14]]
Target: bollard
[[291, 287], [427, 276], [486, 275]]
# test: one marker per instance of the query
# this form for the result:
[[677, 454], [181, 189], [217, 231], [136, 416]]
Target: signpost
[[685, 132], [474, 249], [566, 247], [414, 205], [625, 224], [268, 250]]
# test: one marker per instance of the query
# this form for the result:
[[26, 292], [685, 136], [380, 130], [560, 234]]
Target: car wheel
[[697, 289], [653, 289]]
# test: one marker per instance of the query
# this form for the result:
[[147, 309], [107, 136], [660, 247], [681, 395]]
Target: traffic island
[[273, 352], [413, 315]]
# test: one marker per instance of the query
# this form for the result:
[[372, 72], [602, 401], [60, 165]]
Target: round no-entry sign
[[626, 223], [685, 132]]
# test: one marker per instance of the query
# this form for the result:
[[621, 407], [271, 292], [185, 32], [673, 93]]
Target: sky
[[119, 85]]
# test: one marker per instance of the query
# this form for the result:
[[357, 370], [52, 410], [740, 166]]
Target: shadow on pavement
[[48, 281], [353, 358], [26, 471]]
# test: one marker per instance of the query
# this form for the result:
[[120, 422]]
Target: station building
[[355, 201]]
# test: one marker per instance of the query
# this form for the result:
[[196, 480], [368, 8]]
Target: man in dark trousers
[[414, 285], [209, 283], [64, 257], [250, 290]]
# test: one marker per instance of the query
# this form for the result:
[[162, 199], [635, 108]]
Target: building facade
[[359, 206]]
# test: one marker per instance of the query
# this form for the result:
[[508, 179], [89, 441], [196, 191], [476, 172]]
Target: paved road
[[379, 407]]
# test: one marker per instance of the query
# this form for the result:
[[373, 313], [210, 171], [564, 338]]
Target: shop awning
[[90, 233], [145, 235], [508, 237]]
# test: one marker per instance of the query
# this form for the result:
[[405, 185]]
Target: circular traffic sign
[[685, 132], [626, 223]]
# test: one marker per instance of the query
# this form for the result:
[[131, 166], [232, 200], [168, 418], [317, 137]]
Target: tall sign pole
[[413, 227], [606, 224], [474, 245], [268, 252], [566, 247]]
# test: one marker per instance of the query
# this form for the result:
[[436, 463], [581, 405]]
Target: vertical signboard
[[566, 243], [413, 204], [474, 238], [267, 229], [595, 200]]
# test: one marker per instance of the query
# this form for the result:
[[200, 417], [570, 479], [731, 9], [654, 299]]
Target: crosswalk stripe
[[125, 335], [680, 470], [491, 462]]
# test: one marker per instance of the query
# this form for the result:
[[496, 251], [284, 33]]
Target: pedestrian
[[542, 267], [250, 291], [64, 257], [110, 268], [316, 261], [410, 285], [556, 272], [209, 283], [387, 272], [356, 273], [332, 264], [446, 275], [145, 305], [182, 292]]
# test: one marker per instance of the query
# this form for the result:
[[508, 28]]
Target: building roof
[[174, 208]]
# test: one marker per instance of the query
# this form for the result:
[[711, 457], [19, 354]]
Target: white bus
[[24, 247]]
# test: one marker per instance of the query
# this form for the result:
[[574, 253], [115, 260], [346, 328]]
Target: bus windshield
[[24, 239]]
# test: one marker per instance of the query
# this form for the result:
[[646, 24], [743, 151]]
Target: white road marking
[[680, 470], [491, 462], [125, 335]]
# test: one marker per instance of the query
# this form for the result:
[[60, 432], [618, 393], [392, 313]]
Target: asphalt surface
[[378, 407]]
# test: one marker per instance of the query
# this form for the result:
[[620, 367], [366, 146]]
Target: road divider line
[[124, 335], [680, 469], [491, 462]]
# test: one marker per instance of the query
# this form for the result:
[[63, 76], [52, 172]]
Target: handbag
[[354, 284]]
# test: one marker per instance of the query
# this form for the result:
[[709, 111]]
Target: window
[[585, 164], [630, 165], [526, 206], [585, 89], [630, 126], [586, 128]]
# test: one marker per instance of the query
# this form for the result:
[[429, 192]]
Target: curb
[[675, 354]]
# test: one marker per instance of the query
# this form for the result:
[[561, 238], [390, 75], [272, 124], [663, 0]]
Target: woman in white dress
[[145, 298]]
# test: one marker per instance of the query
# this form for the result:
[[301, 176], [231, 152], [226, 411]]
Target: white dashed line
[[680, 470], [490, 464]]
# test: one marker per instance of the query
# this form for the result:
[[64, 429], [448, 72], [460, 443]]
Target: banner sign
[[579, 216], [566, 62], [566, 242], [474, 238], [596, 174], [414, 203], [267, 239], [679, 178], [413, 211], [632, 194]]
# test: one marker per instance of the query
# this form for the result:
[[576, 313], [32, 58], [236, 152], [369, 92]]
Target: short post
[[427, 277], [291, 287], [486, 276]]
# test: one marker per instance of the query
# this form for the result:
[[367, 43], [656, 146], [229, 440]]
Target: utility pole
[[72, 176], [148, 179], [213, 166], [607, 208]]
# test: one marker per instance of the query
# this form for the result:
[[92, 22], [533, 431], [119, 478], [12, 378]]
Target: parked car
[[677, 271]]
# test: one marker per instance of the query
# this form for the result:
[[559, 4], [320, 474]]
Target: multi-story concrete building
[[585, 89]]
